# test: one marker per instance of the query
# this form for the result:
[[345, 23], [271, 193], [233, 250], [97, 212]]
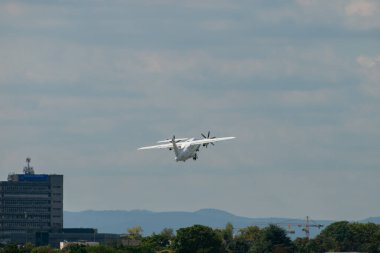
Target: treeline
[[338, 237]]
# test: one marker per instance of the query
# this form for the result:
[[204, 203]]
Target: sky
[[83, 84]]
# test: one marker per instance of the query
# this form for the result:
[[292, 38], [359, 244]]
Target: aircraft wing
[[209, 140], [194, 142], [168, 145]]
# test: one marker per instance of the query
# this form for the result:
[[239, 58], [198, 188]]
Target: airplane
[[186, 148]]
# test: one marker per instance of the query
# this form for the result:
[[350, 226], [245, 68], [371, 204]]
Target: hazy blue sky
[[83, 84]]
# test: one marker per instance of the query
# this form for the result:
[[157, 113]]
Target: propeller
[[208, 137]]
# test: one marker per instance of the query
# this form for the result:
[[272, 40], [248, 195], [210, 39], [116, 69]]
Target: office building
[[29, 203], [31, 210]]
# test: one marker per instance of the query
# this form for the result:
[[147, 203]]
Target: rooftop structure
[[28, 170]]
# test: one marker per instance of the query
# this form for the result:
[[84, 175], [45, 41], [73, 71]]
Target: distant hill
[[119, 221], [371, 219]]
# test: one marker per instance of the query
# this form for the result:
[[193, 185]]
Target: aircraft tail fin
[[175, 147]]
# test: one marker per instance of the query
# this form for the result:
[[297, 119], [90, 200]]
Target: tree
[[26, 248], [155, 242], [10, 248], [272, 239], [346, 236], [135, 233], [167, 233], [43, 249], [76, 248], [197, 239], [340, 233], [227, 235], [244, 239], [302, 245], [366, 237], [100, 249], [250, 233]]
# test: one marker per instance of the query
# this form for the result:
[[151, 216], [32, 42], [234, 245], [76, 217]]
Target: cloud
[[303, 98], [370, 70], [362, 15], [81, 95], [211, 4], [361, 8], [340, 15], [368, 62], [220, 25], [90, 126], [305, 2], [12, 8]]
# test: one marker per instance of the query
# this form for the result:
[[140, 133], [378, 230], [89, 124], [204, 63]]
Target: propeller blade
[[207, 137]]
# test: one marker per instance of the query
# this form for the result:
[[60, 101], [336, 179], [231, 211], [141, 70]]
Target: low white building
[[63, 245]]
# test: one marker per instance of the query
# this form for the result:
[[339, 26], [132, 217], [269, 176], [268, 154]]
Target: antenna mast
[[307, 228], [28, 170]]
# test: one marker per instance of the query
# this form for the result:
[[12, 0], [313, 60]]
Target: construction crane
[[288, 225], [305, 227]]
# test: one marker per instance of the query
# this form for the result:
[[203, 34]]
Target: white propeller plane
[[186, 148]]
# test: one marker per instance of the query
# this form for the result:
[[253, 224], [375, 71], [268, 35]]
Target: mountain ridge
[[118, 221]]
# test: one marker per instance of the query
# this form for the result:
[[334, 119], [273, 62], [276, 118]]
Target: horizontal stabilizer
[[176, 140]]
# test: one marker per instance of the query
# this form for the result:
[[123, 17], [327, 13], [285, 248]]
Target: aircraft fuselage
[[185, 151]]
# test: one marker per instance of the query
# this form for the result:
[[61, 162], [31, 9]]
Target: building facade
[[29, 203], [31, 210]]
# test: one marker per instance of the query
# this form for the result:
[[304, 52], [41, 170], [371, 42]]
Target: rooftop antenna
[[28, 170]]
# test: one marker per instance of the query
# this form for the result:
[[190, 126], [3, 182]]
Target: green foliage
[[156, 242], [167, 233], [43, 249], [304, 245], [151, 244], [250, 233], [28, 248], [101, 249], [135, 233], [10, 248], [228, 232], [227, 235], [244, 239], [339, 237], [77, 248], [197, 238], [345, 236], [272, 239]]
